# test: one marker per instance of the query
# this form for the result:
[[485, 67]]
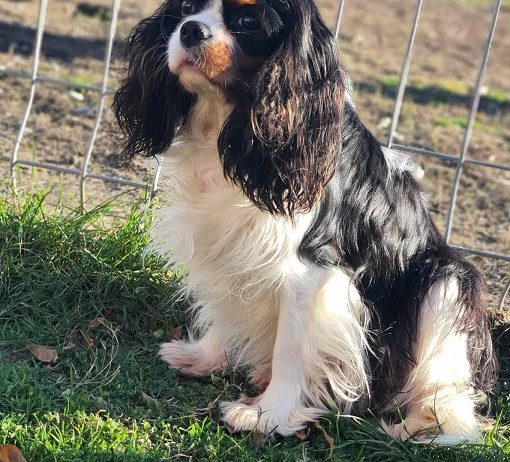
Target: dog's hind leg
[[195, 358], [438, 403]]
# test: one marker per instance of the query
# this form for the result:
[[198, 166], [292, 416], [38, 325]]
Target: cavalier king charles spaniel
[[310, 251]]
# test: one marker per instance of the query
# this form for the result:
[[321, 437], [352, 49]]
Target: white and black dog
[[310, 251]]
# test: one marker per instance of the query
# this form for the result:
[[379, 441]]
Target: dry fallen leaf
[[329, 439], [42, 353], [77, 337], [175, 333], [10, 453], [97, 322], [147, 400], [73, 338]]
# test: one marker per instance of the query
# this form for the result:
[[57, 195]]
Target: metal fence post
[[404, 74], [472, 117], [100, 105], [43, 7]]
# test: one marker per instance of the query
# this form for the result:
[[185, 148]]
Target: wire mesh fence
[[84, 175]]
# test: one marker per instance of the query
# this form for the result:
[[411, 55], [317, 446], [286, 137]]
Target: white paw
[[258, 415], [190, 359], [416, 427], [243, 417]]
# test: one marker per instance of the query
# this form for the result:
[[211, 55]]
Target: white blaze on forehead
[[211, 15]]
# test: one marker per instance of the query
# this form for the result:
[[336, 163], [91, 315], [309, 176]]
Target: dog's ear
[[150, 105], [280, 144]]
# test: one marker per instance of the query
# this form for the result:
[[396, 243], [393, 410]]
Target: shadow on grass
[[20, 39], [429, 94]]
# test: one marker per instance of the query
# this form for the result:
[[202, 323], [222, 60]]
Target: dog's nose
[[193, 33]]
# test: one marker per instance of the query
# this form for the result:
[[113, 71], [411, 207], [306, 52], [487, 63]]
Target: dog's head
[[275, 65]]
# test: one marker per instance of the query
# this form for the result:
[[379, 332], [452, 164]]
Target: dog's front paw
[[239, 417], [190, 359], [261, 415]]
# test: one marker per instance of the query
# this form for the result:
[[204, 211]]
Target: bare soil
[[447, 56]]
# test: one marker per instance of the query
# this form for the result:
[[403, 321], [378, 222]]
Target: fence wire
[[460, 159]]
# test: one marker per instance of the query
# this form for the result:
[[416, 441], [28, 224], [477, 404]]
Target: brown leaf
[[329, 439], [42, 353], [96, 322], [10, 453], [175, 333], [147, 400], [77, 337]]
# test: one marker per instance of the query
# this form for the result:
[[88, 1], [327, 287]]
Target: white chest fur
[[234, 253]]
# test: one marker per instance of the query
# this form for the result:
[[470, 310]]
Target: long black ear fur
[[281, 143], [150, 105]]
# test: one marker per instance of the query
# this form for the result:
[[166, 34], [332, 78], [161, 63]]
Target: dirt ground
[[447, 56]]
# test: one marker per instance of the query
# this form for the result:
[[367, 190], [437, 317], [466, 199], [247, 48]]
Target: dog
[[310, 251]]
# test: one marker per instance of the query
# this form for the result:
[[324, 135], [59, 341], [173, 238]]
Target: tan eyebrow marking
[[243, 2]]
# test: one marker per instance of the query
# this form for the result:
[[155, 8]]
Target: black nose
[[193, 33]]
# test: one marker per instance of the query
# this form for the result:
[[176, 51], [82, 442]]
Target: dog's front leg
[[273, 410], [319, 348]]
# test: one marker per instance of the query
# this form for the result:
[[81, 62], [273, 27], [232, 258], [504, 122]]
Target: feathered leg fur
[[437, 402], [319, 355]]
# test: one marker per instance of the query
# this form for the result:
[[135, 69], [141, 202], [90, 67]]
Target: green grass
[[59, 271], [498, 96], [81, 80], [389, 80], [441, 91], [462, 122], [482, 2]]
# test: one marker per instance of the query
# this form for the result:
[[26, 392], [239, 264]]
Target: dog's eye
[[250, 23], [187, 8]]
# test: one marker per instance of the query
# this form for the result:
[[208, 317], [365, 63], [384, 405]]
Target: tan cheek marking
[[216, 59]]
